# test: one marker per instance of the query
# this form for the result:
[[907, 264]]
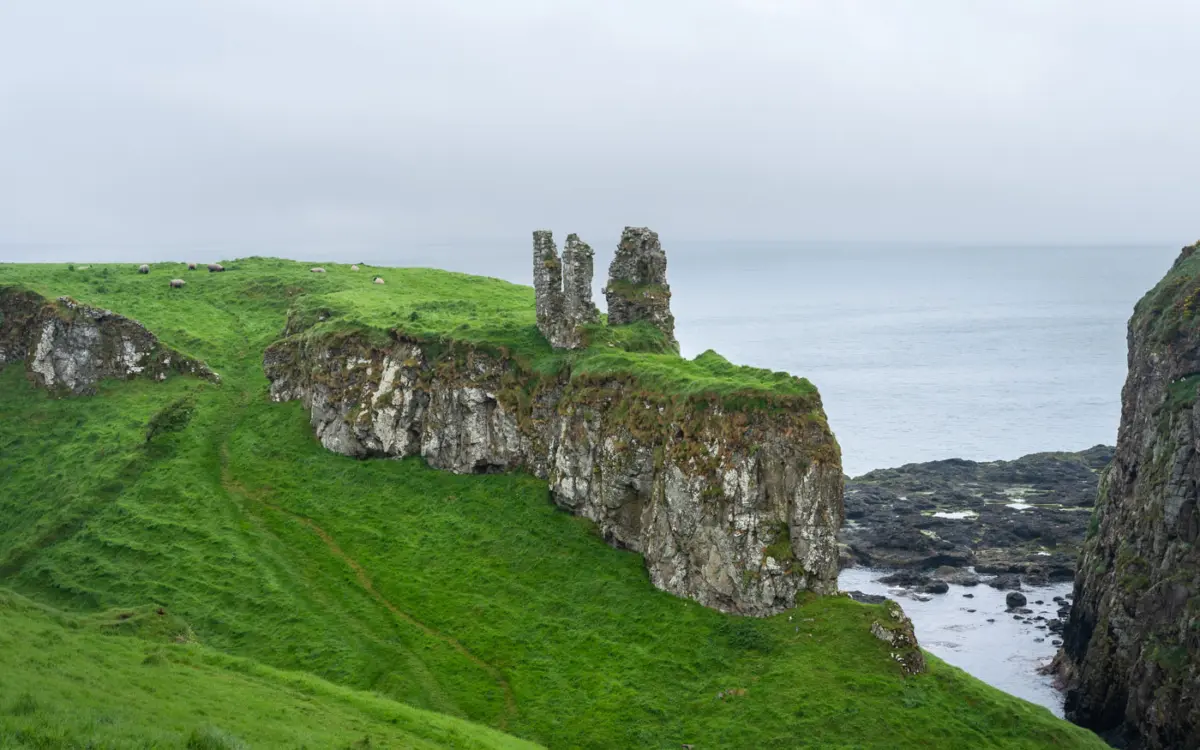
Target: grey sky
[[279, 124]]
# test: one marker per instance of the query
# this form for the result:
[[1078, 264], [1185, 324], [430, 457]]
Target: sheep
[[353, 268], [177, 283], [215, 268], [191, 266], [378, 280], [143, 268], [317, 270]]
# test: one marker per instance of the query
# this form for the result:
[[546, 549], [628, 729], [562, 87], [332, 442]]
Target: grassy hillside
[[466, 595], [131, 679]]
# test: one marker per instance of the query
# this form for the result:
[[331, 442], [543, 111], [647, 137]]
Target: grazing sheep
[[215, 268], [317, 270], [177, 283], [353, 268], [378, 280], [143, 268], [191, 266]]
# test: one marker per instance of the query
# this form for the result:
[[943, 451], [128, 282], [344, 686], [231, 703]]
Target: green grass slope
[[131, 679], [466, 595]]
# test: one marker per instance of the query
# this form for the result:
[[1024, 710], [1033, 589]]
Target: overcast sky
[[312, 124]]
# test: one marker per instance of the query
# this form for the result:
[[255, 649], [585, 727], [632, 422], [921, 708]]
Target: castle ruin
[[637, 287], [563, 289]]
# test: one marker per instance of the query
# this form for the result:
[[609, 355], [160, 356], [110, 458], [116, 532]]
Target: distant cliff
[[68, 347], [734, 500], [1131, 652]]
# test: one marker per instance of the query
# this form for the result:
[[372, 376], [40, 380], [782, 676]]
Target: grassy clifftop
[[465, 595]]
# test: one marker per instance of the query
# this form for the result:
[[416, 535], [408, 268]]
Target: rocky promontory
[[69, 347], [1026, 517], [733, 498]]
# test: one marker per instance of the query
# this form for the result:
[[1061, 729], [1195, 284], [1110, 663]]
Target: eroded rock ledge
[[69, 347], [737, 510]]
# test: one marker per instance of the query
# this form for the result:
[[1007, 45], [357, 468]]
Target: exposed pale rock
[[67, 346], [738, 519]]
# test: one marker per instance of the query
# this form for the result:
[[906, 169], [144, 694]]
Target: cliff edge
[[726, 479], [1131, 652]]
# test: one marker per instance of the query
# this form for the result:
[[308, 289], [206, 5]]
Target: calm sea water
[[920, 353]]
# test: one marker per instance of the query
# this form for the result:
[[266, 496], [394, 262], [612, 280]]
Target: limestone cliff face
[[1132, 646], [69, 347], [737, 510]]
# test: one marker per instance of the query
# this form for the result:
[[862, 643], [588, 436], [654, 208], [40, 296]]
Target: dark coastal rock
[[1025, 517], [1131, 653], [936, 587], [1006, 582], [1014, 600], [860, 597]]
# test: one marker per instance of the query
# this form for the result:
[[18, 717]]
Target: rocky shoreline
[[954, 521]]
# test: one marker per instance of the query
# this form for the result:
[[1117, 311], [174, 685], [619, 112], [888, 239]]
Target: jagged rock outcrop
[[637, 286], [1131, 653], [563, 289], [69, 347], [738, 511]]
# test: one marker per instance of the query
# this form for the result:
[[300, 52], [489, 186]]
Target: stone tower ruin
[[637, 286], [637, 283], [563, 289]]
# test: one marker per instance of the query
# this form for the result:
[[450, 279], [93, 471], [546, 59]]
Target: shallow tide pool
[[1004, 653]]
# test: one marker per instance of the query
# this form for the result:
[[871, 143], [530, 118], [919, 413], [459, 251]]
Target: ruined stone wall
[[637, 287], [563, 288]]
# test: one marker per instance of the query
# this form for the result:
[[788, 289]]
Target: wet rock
[[907, 578], [1014, 599], [961, 513], [968, 596], [859, 596], [936, 587], [1005, 582]]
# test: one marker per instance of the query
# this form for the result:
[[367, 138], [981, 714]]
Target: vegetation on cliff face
[[1132, 645], [466, 595]]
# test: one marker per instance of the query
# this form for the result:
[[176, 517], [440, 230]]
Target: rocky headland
[[734, 500]]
